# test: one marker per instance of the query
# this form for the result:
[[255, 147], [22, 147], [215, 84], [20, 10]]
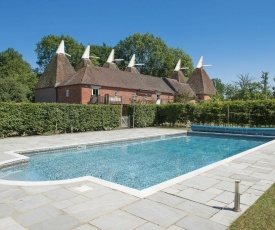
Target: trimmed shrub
[[19, 119], [256, 113], [144, 115]]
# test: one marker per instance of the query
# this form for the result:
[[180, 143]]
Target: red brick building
[[89, 84]]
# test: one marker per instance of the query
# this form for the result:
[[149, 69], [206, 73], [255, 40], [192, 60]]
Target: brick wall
[[45, 95], [203, 97], [82, 94], [127, 94], [86, 92], [73, 96]]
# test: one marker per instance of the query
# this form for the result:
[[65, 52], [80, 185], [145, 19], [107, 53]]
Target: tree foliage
[[17, 78], [172, 57], [220, 87], [102, 52], [265, 85], [11, 90], [245, 88], [48, 45], [159, 59]]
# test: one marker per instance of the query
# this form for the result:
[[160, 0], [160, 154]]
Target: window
[[168, 98], [116, 94], [96, 92], [134, 96], [67, 93], [158, 96]]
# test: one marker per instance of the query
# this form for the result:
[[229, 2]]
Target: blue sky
[[236, 37]]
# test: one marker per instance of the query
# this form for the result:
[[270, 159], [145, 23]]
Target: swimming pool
[[135, 164]]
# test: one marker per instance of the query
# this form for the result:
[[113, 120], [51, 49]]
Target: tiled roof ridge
[[84, 73], [116, 78]]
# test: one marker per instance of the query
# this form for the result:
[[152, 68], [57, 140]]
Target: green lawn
[[261, 215]]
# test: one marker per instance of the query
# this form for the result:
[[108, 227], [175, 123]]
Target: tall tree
[[12, 91], [159, 60], [17, 73], [48, 45], [243, 85], [172, 57], [218, 85], [230, 92], [102, 52], [244, 81], [247, 89], [265, 86]]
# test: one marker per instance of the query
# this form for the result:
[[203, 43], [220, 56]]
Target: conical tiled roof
[[201, 83], [132, 70], [85, 59], [179, 76], [58, 70], [110, 65], [83, 63]]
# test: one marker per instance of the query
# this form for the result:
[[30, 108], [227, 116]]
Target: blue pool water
[[139, 164]]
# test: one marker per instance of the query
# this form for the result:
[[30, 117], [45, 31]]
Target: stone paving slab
[[86, 227], [174, 227], [229, 186], [171, 190], [61, 222], [27, 203], [118, 220], [200, 182], [37, 215], [227, 216], [9, 224], [195, 223], [155, 212], [59, 194], [202, 202], [100, 206], [39, 189], [196, 195], [5, 211], [12, 193], [220, 173], [197, 209], [165, 198], [249, 199], [150, 226], [225, 197]]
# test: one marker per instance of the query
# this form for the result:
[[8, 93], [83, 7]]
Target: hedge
[[257, 113], [39, 118], [142, 115]]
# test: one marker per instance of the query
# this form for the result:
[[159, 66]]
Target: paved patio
[[204, 201]]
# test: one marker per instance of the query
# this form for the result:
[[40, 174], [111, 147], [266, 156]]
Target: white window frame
[[158, 96], [95, 88]]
